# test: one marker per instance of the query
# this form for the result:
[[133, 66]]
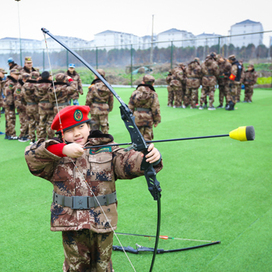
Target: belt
[[143, 109], [29, 103], [209, 75], [84, 202], [44, 101], [99, 102], [193, 77], [64, 104]]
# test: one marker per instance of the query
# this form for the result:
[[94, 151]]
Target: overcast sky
[[84, 18]]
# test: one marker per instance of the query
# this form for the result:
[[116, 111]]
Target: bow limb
[[137, 139]]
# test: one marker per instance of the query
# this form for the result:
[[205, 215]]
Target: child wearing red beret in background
[[77, 174]]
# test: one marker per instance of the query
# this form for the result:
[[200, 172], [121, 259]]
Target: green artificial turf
[[212, 189]]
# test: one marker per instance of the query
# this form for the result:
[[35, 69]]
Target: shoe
[[32, 142], [14, 138], [245, 101], [211, 108], [205, 106], [200, 108], [7, 137], [23, 139], [174, 107], [230, 106], [2, 133], [220, 106], [183, 106]]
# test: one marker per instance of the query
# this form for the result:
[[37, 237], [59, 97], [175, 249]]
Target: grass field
[[212, 189]]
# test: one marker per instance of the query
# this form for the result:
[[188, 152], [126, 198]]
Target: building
[[10, 45], [112, 39], [208, 40], [179, 38], [244, 28]]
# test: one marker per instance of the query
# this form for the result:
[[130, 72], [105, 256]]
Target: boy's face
[[78, 134]]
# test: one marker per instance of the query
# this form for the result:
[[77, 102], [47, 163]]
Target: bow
[[140, 248], [138, 142]]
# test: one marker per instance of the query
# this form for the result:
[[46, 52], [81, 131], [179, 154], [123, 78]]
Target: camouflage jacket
[[210, 72], [76, 77], [99, 167], [178, 77], [42, 92], [15, 66], [224, 72], [19, 100], [250, 77], [63, 91], [25, 70], [99, 98], [2, 85], [169, 78], [29, 92], [193, 75], [145, 97], [9, 89]]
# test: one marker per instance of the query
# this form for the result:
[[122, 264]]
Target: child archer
[[77, 174]]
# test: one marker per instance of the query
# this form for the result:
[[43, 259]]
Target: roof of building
[[16, 39], [172, 30], [113, 32], [247, 22], [208, 35]]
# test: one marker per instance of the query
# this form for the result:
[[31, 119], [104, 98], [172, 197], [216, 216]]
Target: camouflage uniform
[[46, 110], [170, 89], [85, 228], [30, 96], [193, 81], [178, 85], [145, 106], [20, 105], [10, 87], [2, 84], [234, 77], [100, 100], [239, 85], [223, 80], [62, 91], [250, 79], [210, 71], [76, 77]]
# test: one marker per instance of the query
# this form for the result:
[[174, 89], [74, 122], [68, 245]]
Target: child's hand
[[153, 154], [73, 150]]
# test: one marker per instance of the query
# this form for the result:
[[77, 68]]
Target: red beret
[[70, 116]]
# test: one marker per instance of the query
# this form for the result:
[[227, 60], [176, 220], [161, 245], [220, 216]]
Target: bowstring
[[81, 174]]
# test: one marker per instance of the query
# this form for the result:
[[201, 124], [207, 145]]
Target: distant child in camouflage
[[210, 72], [193, 82], [46, 110], [10, 88], [145, 106], [223, 79], [100, 100], [250, 79], [61, 92], [20, 105], [71, 72], [31, 99], [170, 89], [77, 174]]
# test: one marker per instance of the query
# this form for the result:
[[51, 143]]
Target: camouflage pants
[[33, 120], [10, 120], [191, 97], [178, 97], [239, 87], [248, 93], [87, 251], [170, 96], [207, 91], [46, 115], [23, 122], [231, 96], [100, 121], [147, 133], [223, 91]]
